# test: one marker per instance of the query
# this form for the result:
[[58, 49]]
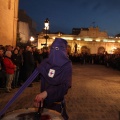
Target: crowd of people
[[17, 64], [109, 60]]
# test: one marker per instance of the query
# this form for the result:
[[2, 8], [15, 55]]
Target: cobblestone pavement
[[94, 95]]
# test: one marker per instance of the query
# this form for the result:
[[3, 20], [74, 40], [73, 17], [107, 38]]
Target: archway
[[85, 50], [68, 49], [116, 51], [101, 50]]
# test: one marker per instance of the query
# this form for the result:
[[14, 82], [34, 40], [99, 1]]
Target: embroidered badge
[[51, 73]]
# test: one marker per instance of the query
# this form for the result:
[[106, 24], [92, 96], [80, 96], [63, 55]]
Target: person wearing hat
[[55, 76]]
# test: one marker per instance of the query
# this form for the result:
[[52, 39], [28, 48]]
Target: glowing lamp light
[[46, 23], [32, 39]]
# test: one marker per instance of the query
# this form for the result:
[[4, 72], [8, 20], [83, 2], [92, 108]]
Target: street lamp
[[31, 40], [46, 23]]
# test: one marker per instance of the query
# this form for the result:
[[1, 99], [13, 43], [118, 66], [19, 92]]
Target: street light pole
[[46, 23], [46, 37]]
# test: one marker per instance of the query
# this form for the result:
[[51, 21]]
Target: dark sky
[[67, 14]]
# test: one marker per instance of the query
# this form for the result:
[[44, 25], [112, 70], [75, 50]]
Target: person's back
[[56, 76]]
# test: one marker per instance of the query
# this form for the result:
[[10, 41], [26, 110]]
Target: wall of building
[[23, 17], [93, 32], [92, 43], [24, 31], [8, 21]]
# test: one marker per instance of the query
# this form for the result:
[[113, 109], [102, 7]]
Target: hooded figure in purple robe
[[56, 76]]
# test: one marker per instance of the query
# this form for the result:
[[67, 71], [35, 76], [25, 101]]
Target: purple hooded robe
[[56, 72]]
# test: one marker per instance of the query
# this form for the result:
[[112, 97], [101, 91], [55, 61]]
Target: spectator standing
[[40, 56], [45, 53], [29, 63], [16, 59], [9, 69], [21, 72], [2, 70], [9, 48]]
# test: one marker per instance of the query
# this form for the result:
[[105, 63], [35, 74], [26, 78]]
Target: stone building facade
[[8, 21], [26, 26], [90, 41], [24, 31], [89, 32]]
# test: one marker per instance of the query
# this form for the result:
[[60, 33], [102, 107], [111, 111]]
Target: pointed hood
[[58, 53]]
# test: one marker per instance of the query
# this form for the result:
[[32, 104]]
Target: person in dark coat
[[2, 69], [29, 63], [56, 76], [45, 53], [40, 56], [16, 59]]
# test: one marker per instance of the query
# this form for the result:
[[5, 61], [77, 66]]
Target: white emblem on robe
[[51, 73]]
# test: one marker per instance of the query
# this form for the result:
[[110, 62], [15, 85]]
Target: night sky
[[67, 14]]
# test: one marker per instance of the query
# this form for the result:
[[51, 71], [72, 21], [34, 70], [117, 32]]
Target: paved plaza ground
[[94, 95]]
